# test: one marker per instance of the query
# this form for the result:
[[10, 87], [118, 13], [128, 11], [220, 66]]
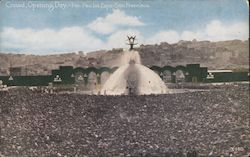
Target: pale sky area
[[47, 27]]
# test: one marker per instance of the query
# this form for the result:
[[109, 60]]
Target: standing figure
[[131, 42]]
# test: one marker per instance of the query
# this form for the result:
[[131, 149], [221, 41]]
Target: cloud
[[73, 39], [169, 36], [189, 35], [49, 40], [214, 31], [111, 22], [119, 38], [68, 39]]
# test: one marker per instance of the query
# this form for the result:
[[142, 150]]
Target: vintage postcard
[[120, 78]]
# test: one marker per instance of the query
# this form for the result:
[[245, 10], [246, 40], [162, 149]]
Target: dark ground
[[212, 122]]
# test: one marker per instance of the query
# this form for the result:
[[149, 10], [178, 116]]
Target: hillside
[[232, 54]]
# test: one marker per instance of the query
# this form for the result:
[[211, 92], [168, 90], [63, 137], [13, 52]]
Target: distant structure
[[66, 75], [131, 42]]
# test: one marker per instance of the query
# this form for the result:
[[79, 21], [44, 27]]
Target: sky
[[47, 27]]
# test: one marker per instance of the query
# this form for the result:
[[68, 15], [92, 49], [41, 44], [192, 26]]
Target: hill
[[232, 54]]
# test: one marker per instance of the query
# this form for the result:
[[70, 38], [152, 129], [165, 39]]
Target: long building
[[67, 75]]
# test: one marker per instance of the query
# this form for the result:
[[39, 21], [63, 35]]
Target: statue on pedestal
[[131, 42]]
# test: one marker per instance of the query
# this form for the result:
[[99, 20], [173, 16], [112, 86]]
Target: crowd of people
[[202, 123]]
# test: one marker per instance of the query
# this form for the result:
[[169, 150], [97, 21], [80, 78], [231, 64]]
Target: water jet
[[132, 77]]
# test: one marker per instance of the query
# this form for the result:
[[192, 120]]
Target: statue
[[131, 42]]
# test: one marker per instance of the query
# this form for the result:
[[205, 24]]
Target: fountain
[[132, 77]]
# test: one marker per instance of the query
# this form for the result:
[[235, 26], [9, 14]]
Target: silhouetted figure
[[131, 42]]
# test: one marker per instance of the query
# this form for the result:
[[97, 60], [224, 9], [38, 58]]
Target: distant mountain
[[232, 54]]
